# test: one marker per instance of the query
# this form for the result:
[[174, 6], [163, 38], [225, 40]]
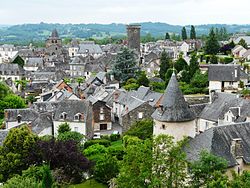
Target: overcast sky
[[178, 12]]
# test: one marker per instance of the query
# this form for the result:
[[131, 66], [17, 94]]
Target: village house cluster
[[219, 123]]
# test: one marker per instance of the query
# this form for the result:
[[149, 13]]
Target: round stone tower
[[173, 116], [133, 32]]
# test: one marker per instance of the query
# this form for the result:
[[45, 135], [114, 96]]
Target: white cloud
[[181, 12]]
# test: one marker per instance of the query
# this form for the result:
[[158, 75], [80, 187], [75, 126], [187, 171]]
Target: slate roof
[[34, 62], [11, 69], [217, 140], [41, 123], [198, 108], [27, 114], [174, 107], [221, 104], [89, 46], [54, 34], [3, 135], [71, 107], [223, 72]]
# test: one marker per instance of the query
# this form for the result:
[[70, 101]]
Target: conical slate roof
[[54, 34], [173, 105]]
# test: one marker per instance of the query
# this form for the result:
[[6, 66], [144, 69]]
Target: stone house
[[226, 78], [11, 71], [8, 53]]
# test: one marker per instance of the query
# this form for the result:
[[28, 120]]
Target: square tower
[[133, 32]]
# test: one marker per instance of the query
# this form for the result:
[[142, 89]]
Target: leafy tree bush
[[214, 59], [15, 151], [180, 64], [103, 142], [142, 79], [204, 170], [212, 45], [63, 155], [164, 64], [106, 168], [228, 60], [117, 151], [22, 182], [114, 137], [63, 128], [142, 129], [94, 151], [71, 135], [243, 43]]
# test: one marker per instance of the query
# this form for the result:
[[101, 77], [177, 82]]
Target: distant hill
[[37, 32]]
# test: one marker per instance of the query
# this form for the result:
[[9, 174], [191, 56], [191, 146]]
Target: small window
[[19, 118], [163, 126], [101, 116], [63, 115], [76, 129], [101, 110], [140, 115]]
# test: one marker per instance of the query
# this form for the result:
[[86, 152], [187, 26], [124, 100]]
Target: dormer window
[[19, 118], [63, 115], [78, 117]]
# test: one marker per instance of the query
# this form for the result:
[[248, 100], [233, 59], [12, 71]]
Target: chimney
[[237, 148]]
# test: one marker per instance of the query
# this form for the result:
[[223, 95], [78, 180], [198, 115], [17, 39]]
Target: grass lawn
[[116, 143], [89, 184]]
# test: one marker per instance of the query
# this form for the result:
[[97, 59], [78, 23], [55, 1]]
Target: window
[[101, 110], [76, 129], [103, 126], [19, 118], [101, 116], [163, 126], [207, 125], [63, 115], [231, 83], [140, 115]]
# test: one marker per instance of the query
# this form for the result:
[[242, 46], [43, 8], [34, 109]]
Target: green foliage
[[194, 65], [131, 84], [245, 92], [147, 38], [95, 149], [142, 129], [103, 142], [22, 182], [15, 151], [157, 86], [142, 79], [192, 32], [200, 80], [212, 45], [47, 180], [71, 135], [136, 166], [206, 168], [106, 168], [18, 60], [167, 36], [63, 128], [169, 74], [164, 64], [180, 64], [243, 43], [114, 137], [169, 162], [240, 181], [125, 66], [184, 34], [80, 80], [4, 90], [214, 59]]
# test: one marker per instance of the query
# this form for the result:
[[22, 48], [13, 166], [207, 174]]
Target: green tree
[[22, 182], [214, 59], [71, 135], [206, 168], [240, 180], [212, 45], [106, 168], [63, 128], [169, 162], [18, 60], [199, 80], [131, 84], [243, 43], [21, 83], [180, 64], [164, 64], [47, 180], [167, 36], [142, 79], [136, 166], [192, 32], [142, 129], [125, 66], [15, 151], [184, 33], [169, 74], [194, 65], [80, 80]]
